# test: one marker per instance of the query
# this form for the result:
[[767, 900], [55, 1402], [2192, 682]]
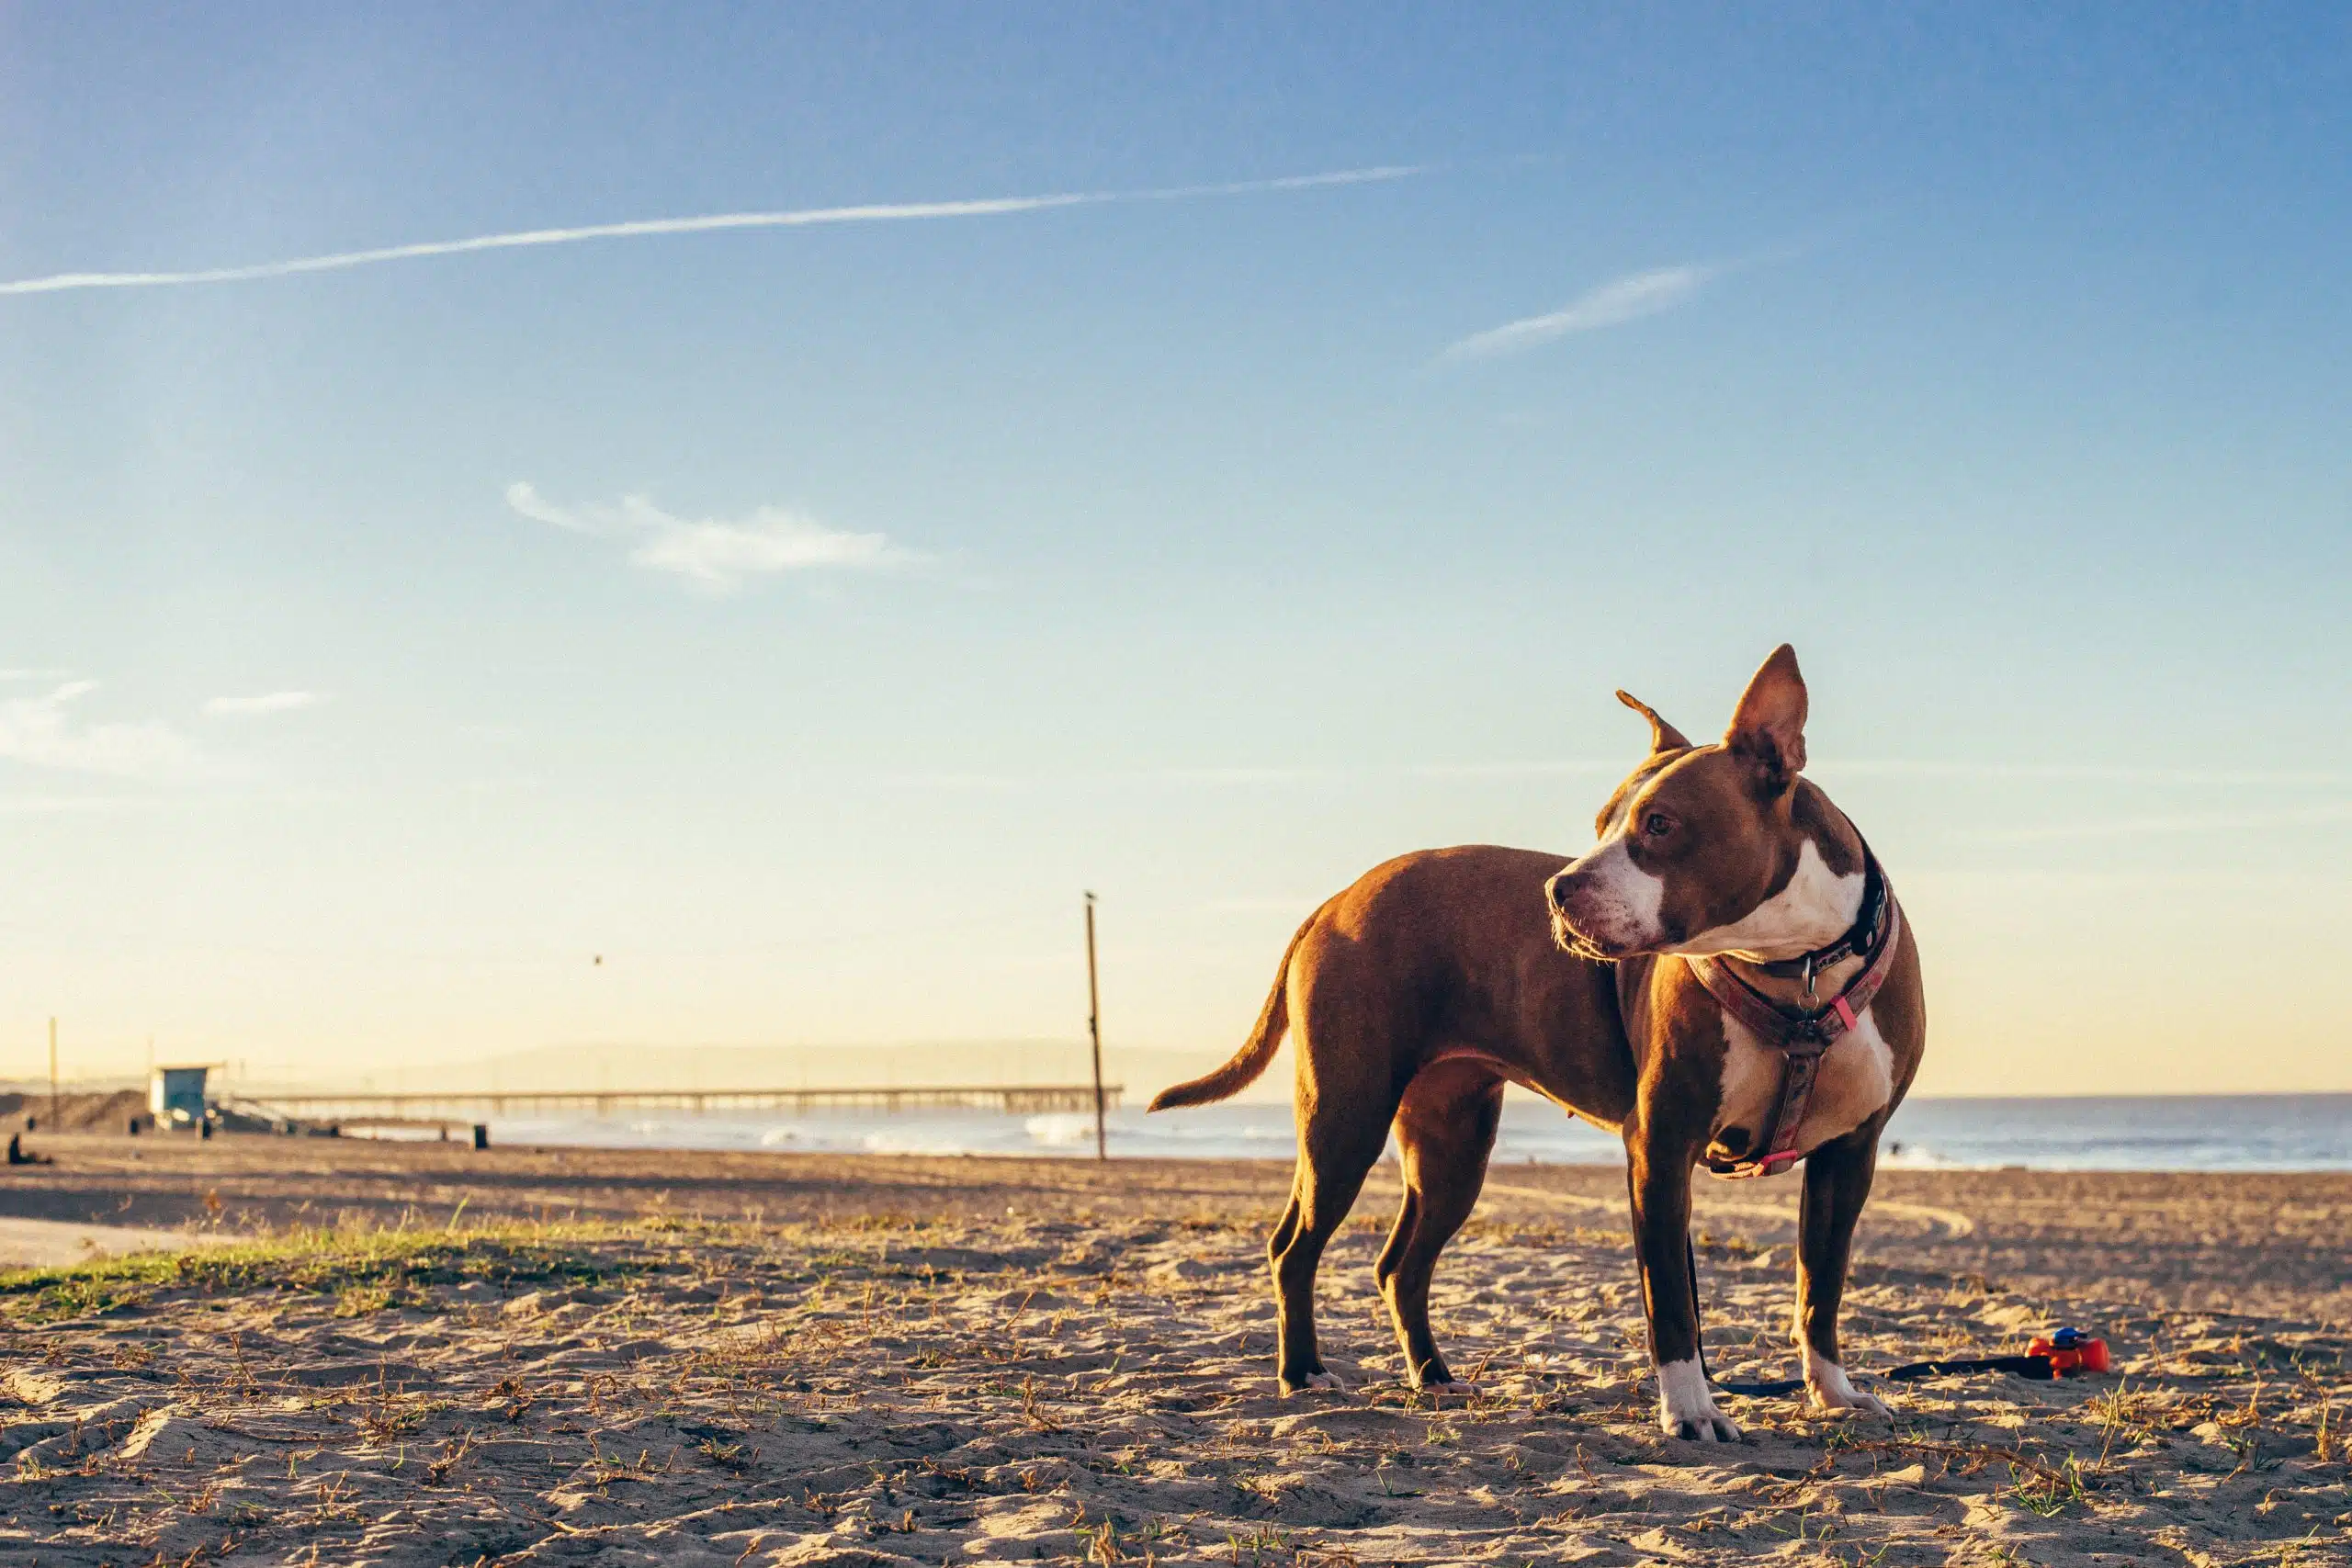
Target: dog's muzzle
[[1567, 893], [1559, 894]]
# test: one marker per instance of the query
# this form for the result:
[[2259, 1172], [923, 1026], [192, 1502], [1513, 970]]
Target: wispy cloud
[[1569, 768], [1614, 303], [2094, 772], [267, 703], [1263, 777], [2183, 822], [1612, 768], [647, 228], [715, 554], [981, 783], [2005, 883], [43, 731], [73, 804]]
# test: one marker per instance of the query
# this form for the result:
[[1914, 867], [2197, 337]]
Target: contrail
[[884, 212], [1619, 301]]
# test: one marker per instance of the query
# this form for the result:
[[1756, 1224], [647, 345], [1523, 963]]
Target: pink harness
[[1803, 1037]]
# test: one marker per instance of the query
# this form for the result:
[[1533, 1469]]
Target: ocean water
[[2280, 1132]]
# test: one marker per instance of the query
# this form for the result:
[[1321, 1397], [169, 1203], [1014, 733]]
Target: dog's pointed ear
[[1767, 727], [1664, 737]]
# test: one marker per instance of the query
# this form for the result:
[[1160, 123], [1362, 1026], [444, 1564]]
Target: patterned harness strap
[[1802, 1037]]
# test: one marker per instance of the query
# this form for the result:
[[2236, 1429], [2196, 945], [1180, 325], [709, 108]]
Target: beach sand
[[765, 1359]]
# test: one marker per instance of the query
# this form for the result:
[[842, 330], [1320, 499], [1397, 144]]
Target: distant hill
[[612, 1066]]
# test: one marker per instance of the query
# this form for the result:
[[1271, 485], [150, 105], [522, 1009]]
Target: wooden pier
[[1016, 1099]]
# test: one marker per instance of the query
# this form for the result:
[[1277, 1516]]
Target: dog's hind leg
[[1445, 1129], [1347, 1095], [1335, 1152]]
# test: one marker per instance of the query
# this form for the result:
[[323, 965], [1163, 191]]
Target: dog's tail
[[1256, 1052]]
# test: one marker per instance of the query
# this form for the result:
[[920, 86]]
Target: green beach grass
[[363, 1269]]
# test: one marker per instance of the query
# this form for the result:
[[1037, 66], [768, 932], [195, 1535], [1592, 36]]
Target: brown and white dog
[[1625, 987]]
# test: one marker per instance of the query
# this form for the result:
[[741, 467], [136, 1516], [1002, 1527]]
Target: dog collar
[[1802, 1037], [1859, 940]]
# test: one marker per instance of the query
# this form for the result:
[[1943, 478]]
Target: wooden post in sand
[[1094, 1031]]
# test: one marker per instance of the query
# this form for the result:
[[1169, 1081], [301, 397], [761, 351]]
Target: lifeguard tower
[[176, 1095]]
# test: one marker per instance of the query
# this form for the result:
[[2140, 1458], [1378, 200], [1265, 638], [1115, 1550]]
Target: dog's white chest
[[1856, 1080]]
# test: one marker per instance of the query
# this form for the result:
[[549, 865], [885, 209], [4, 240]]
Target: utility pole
[[1094, 1031], [53, 1074]]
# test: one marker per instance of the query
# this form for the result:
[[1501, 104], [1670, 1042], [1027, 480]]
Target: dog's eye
[[1657, 825]]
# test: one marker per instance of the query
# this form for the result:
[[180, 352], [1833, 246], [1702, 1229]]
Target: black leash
[[2040, 1369], [2037, 1368], [2033, 1368]]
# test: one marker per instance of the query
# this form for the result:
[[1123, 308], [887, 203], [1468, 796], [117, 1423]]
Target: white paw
[[1313, 1380], [1832, 1390], [1685, 1408], [1450, 1385]]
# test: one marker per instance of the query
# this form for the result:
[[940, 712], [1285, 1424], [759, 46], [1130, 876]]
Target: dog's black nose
[[1555, 892]]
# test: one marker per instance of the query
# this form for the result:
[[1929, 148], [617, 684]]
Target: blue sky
[[1203, 550]]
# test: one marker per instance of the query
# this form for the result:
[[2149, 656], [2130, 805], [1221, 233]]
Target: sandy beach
[[419, 1354]]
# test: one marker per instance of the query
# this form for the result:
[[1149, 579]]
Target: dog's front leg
[[1837, 1184], [1661, 1180]]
